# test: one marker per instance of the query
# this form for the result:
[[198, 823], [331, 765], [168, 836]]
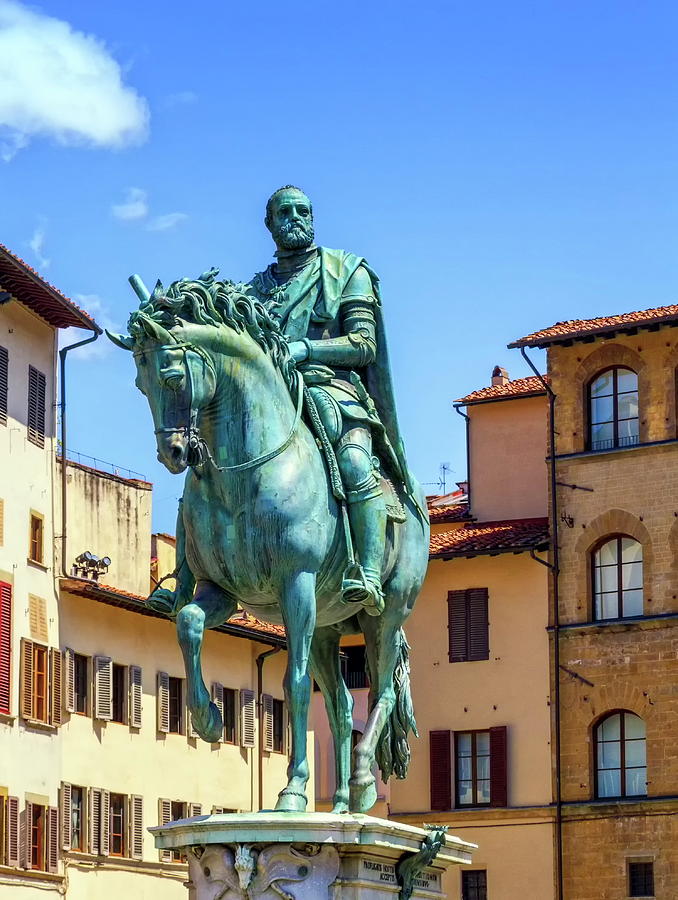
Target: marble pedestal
[[307, 856]]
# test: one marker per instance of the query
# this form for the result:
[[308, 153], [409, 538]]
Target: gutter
[[261, 659], [96, 331], [457, 409]]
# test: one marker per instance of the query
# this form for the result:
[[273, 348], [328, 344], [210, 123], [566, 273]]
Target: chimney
[[500, 377]]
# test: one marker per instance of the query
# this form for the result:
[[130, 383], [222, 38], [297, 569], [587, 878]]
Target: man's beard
[[294, 235]]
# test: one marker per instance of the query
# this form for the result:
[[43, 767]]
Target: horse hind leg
[[326, 668], [209, 607]]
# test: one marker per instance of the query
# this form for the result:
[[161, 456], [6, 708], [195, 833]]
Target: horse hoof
[[340, 807], [212, 730], [291, 801], [363, 796]]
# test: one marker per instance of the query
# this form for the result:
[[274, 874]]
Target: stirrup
[[365, 592]]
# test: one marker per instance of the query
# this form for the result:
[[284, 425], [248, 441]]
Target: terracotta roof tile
[[31, 289], [489, 538], [581, 328], [452, 512], [519, 387]]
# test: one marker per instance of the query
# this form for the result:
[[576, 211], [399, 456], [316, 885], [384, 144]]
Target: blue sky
[[501, 165]]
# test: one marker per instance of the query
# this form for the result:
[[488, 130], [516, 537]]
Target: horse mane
[[206, 301]]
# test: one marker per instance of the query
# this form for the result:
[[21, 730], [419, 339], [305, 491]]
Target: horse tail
[[393, 747]]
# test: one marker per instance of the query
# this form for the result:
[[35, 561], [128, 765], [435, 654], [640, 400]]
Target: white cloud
[[164, 223], [63, 84], [181, 98], [98, 309], [134, 206], [37, 245]]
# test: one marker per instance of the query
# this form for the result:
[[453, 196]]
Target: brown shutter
[[13, 831], [94, 821], [26, 691], [4, 367], [36, 407], [104, 835], [66, 822], [194, 809], [135, 696], [440, 748], [69, 680], [103, 688], [136, 826], [163, 702], [457, 626], [164, 818], [478, 643], [52, 840], [55, 686], [247, 718], [5, 647], [267, 712], [218, 700], [26, 820], [498, 766]]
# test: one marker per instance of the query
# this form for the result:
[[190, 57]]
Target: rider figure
[[327, 302]]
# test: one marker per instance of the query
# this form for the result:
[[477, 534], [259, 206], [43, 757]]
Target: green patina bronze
[[298, 504]]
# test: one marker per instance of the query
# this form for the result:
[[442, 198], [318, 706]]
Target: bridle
[[198, 451]]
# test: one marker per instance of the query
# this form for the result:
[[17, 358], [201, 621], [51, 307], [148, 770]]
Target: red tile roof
[[519, 387], [577, 329], [23, 282], [490, 538], [241, 624], [451, 512]]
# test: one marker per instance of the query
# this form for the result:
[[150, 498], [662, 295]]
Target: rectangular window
[[353, 667], [278, 711], [39, 683], [4, 367], [229, 716], [117, 805], [641, 879], [36, 833], [35, 544], [80, 683], [481, 767], [175, 706], [36, 407], [77, 823], [5, 647], [179, 811], [119, 693], [467, 625], [474, 885]]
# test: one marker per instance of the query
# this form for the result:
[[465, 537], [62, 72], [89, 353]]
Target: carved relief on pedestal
[[242, 872]]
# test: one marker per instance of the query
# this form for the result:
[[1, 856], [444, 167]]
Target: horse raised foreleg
[[209, 607], [326, 667], [297, 604]]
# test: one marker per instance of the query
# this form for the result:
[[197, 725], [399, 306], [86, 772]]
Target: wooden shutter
[[26, 690], [457, 626], [498, 766], [5, 647], [247, 718], [136, 826], [69, 680], [103, 688], [66, 823], [478, 642], [94, 821], [25, 821], [164, 818], [267, 713], [4, 367], [163, 702], [440, 749], [52, 839], [135, 696], [105, 826], [36, 407], [218, 700], [55, 686], [12, 827], [194, 809]]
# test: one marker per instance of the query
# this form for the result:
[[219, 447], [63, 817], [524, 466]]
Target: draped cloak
[[314, 295]]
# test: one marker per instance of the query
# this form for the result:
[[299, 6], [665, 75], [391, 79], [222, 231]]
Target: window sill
[[630, 623], [585, 453], [7, 718], [40, 726], [37, 565], [32, 874]]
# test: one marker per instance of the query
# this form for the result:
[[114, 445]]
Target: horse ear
[[121, 340], [156, 331], [158, 290]]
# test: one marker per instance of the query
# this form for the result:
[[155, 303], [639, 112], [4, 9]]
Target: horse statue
[[259, 527]]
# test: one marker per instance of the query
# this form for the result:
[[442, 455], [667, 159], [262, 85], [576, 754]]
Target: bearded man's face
[[291, 221]]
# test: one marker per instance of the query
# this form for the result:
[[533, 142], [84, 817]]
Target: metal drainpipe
[[62, 379], [261, 659], [457, 409], [555, 570]]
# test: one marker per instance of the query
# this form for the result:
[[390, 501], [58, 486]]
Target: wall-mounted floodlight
[[88, 565]]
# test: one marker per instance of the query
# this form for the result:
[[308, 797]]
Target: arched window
[[621, 769], [618, 578], [613, 409]]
